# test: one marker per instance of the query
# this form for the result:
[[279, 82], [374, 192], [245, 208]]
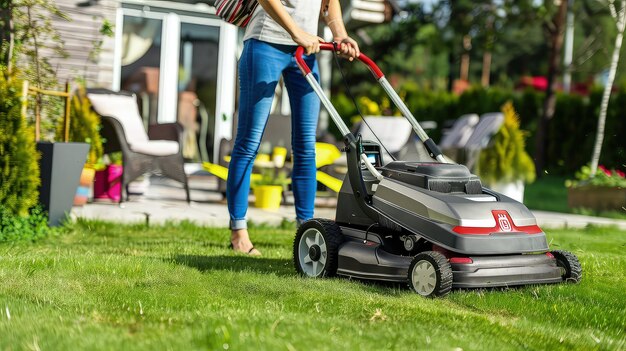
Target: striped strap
[[237, 12]]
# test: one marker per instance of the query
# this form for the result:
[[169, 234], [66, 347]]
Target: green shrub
[[614, 147], [506, 160], [429, 105], [30, 227], [480, 100], [568, 144], [19, 170], [570, 133], [271, 176], [84, 126], [604, 177]]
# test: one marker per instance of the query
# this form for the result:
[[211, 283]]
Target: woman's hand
[[310, 42], [276, 10], [348, 48]]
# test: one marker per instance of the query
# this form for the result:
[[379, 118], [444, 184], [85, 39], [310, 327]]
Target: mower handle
[[332, 47], [430, 145]]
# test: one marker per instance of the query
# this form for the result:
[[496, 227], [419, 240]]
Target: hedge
[[571, 133]]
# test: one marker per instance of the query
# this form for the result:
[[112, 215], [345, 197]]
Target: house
[[178, 57]]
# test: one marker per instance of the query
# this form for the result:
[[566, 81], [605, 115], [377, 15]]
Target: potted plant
[[268, 188], [84, 127], [60, 163], [606, 191], [108, 180], [505, 166]]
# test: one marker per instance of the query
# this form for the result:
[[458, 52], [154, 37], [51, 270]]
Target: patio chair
[[481, 137], [159, 150], [455, 138], [397, 135]]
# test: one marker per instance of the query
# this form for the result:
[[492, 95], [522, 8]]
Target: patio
[[164, 201]]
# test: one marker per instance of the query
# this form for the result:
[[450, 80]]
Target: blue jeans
[[260, 67]]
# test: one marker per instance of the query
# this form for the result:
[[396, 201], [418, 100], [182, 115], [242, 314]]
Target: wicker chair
[[158, 150]]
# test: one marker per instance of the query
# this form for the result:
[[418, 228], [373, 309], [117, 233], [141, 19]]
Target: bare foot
[[240, 241]]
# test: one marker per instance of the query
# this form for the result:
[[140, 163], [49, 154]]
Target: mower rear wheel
[[572, 271], [430, 274], [316, 247]]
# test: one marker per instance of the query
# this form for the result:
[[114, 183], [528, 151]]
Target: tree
[[6, 36], [33, 32], [555, 30], [620, 21]]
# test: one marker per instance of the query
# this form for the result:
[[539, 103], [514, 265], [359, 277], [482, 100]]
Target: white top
[[262, 27]]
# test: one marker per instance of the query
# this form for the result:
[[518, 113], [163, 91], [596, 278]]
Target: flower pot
[[108, 184], [597, 198], [514, 190], [84, 186], [114, 181], [268, 196], [101, 185], [60, 165]]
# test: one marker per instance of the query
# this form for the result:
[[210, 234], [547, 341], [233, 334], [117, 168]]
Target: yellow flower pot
[[268, 196]]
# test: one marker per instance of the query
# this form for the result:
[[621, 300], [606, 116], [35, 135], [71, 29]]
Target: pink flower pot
[[108, 183], [114, 180], [100, 185]]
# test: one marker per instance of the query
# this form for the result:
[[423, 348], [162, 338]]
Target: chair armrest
[[428, 125], [166, 131]]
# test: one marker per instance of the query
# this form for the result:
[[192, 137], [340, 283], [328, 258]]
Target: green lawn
[[547, 193], [108, 286]]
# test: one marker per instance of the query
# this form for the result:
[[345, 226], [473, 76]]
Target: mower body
[[489, 239], [430, 224]]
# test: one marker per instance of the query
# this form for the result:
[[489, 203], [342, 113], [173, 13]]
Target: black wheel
[[572, 271], [315, 248], [430, 274]]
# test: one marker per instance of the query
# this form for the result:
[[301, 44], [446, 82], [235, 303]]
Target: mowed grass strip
[[110, 286]]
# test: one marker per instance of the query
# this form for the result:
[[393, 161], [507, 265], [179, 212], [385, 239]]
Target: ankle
[[239, 235]]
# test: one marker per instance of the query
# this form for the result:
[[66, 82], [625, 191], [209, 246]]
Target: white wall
[[79, 36]]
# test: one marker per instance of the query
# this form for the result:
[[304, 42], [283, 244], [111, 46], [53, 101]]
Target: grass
[[119, 287], [549, 193], [550, 188]]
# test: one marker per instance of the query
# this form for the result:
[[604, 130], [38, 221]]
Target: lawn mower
[[430, 224]]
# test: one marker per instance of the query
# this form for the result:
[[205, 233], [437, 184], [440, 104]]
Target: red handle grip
[[331, 47]]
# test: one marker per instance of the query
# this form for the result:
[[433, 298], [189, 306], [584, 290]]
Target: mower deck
[[362, 259]]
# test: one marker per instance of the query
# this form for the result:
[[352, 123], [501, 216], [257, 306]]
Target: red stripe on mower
[[504, 224]]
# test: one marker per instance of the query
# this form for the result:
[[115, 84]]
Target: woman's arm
[[334, 20], [275, 9]]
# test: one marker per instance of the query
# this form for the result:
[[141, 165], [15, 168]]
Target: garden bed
[[597, 198]]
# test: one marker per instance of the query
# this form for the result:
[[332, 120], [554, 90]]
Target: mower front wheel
[[430, 274], [572, 271], [316, 247]]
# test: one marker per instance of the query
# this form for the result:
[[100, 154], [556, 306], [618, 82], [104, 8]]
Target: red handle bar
[[331, 47]]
